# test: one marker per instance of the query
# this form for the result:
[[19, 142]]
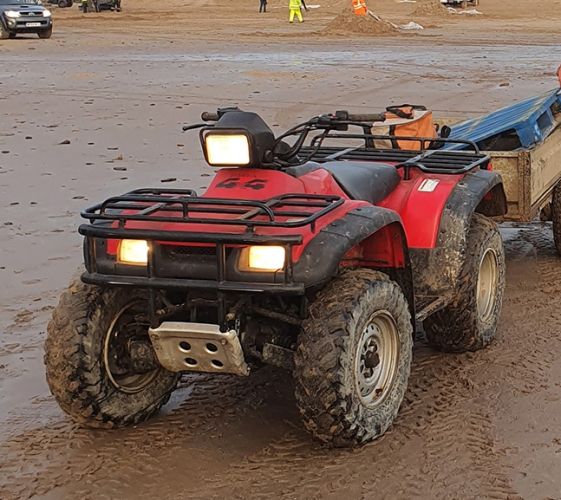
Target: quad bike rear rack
[[431, 160]]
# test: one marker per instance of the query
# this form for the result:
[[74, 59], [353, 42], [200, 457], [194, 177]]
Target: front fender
[[321, 259], [359, 229]]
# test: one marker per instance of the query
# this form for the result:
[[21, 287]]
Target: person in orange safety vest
[[359, 7]]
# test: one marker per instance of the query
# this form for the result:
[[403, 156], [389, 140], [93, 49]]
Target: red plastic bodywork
[[420, 211]]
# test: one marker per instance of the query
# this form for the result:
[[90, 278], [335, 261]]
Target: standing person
[[295, 9], [360, 8], [262, 6]]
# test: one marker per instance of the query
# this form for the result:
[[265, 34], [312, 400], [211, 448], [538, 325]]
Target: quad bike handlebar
[[304, 141], [337, 117], [368, 117], [210, 117]]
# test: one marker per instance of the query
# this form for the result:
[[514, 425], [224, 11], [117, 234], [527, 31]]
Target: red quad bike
[[315, 251]]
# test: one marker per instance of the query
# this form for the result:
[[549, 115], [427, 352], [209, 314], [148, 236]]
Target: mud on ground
[[97, 111]]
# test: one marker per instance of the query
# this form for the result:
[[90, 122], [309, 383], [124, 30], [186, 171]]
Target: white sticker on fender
[[428, 185]]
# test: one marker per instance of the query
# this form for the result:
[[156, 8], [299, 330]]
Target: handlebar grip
[[209, 117], [370, 117]]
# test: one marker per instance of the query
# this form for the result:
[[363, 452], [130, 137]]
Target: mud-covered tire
[[326, 374], [556, 216], [463, 325], [75, 365]]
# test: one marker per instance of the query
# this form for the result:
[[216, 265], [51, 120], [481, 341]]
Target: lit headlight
[[12, 13], [262, 258], [227, 149], [133, 252], [46, 13]]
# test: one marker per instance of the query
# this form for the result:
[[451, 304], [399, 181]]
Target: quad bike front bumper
[[198, 347]]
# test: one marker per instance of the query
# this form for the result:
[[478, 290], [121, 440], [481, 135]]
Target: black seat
[[365, 181]]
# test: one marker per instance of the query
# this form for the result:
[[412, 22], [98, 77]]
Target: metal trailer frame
[[529, 176]]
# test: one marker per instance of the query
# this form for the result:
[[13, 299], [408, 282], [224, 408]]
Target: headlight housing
[[238, 139], [134, 252], [262, 258], [47, 13], [12, 13], [227, 149]]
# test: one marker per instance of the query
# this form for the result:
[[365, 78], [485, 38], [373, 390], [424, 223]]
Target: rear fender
[[370, 237], [436, 270]]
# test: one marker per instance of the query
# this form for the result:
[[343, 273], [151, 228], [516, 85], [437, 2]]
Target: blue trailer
[[524, 124], [524, 141]]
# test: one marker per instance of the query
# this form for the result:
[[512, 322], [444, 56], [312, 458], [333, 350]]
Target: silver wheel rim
[[487, 285], [129, 383], [376, 360]]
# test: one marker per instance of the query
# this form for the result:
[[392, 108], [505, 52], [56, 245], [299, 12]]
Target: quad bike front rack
[[184, 206]]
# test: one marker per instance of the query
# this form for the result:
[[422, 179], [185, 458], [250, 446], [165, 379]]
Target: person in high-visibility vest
[[295, 9], [359, 7]]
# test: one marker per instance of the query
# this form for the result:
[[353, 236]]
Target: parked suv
[[24, 16]]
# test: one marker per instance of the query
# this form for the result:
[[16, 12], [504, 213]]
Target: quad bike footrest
[[198, 347]]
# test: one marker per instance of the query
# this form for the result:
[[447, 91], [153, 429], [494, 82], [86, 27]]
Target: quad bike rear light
[[227, 148], [134, 252], [262, 258]]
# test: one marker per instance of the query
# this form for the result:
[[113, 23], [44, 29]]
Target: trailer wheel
[[98, 358], [353, 358], [556, 216], [470, 322]]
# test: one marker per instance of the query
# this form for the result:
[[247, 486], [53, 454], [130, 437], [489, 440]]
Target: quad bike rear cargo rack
[[434, 161]]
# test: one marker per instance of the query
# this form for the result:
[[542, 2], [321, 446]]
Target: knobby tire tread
[[73, 362], [323, 387]]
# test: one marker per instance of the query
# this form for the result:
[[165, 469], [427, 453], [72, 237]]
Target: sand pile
[[430, 8], [347, 22]]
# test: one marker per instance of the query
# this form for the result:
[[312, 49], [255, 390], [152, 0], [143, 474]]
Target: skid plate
[[198, 347]]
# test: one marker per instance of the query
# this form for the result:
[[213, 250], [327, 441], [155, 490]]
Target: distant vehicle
[[109, 5], [24, 16], [462, 3], [61, 3], [99, 5]]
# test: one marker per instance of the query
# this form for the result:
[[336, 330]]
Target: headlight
[[46, 13], [262, 258], [227, 149], [12, 13], [133, 252]]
